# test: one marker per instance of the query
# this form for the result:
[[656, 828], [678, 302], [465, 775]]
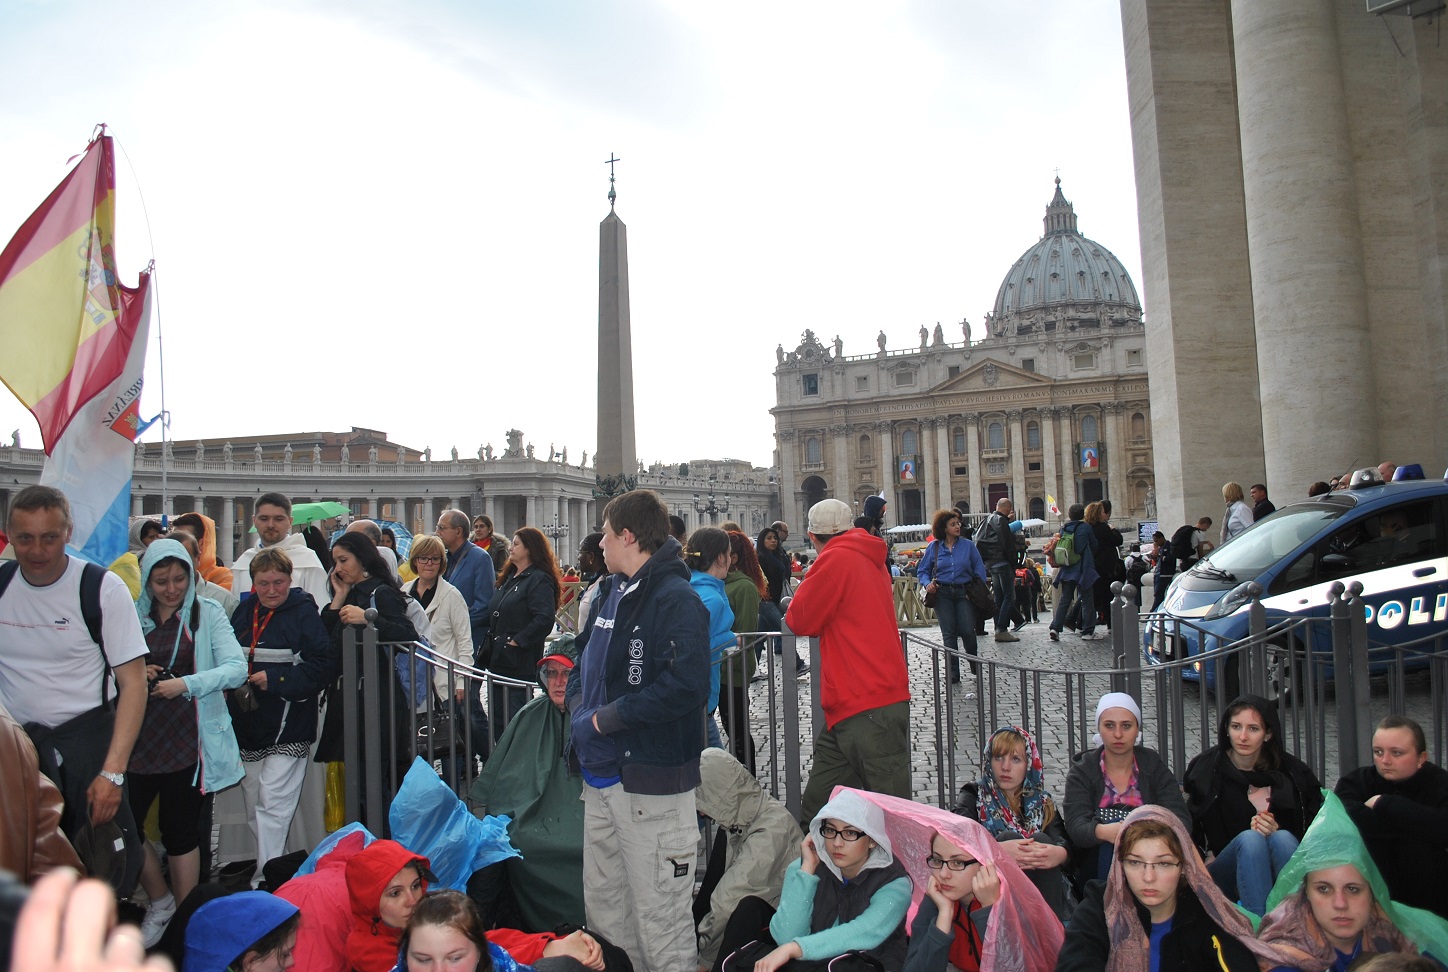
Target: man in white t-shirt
[[54, 678], [273, 522]]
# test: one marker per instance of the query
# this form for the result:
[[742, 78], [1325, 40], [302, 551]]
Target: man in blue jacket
[[636, 701]]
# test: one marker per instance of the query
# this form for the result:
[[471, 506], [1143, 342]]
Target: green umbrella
[[304, 513]]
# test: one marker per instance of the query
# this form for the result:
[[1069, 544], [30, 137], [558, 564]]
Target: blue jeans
[[1003, 580], [1247, 867], [957, 622], [1064, 595], [711, 732]]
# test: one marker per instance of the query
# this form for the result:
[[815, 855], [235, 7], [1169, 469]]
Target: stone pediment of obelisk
[[616, 463]]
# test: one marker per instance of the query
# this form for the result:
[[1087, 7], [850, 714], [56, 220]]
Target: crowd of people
[[610, 774]]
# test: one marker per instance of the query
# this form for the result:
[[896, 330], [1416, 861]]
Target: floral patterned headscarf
[[994, 809]]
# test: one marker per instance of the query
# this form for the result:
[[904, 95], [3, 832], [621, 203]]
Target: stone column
[[977, 494], [1048, 459], [1018, 463], [226, 532], [788, 480], [844, 482], [136, 502], [887, 462], [1116, 464], [373, 505], [1309, 292], [1070, 460], [941, 424]]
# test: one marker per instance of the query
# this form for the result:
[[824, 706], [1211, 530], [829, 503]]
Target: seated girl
[[846, 893], [1330, 904], [1158, 909], [248, 932], [1105, 783], [445, 931], [1011, 801], [1251, 802], [977, 909]]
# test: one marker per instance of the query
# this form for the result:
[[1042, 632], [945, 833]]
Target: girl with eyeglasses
[[1159, 910], [846, 894]]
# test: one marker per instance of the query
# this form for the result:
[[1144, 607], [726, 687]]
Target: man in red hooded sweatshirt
[[848, 601]]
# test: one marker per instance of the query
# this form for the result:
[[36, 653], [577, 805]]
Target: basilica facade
[[1049, 402]]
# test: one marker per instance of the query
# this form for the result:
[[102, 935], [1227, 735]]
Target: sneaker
[[1094, 636], [760, 676], [1005, 636], [1055, 635], [158, 915], [800, 674], [1019, 625]]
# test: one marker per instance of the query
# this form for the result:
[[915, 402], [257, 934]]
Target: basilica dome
[[1065, 276]]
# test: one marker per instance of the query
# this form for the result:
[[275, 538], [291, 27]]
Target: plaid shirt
[[167, 741]]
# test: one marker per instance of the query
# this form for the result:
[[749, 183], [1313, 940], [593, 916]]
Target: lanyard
[[256, 632]]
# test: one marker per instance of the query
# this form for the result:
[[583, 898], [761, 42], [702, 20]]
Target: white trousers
[[638, 874], [271, 789]]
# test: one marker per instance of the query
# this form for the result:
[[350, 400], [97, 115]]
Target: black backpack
[[988, 538]]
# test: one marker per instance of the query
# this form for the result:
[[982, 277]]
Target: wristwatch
[[119, 779]]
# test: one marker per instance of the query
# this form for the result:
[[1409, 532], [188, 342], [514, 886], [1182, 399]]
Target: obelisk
[[615, 463]]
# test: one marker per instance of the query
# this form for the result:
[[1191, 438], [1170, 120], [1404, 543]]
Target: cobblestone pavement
[[1057, 708]]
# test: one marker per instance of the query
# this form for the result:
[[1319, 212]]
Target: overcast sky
[[385, 214]]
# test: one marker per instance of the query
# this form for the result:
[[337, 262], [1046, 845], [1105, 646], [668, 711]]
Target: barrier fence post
[[789, 700], [1254, 670], [351, 727], [1361, 687], [1342, 663], [1129, 624], [373, 768]]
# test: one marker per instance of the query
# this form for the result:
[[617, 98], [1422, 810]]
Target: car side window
[[1397, 535]]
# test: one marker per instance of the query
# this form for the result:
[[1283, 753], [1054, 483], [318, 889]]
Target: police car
[[1390, 537]]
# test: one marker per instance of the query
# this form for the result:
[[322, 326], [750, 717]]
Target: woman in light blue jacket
[[186, 750], [707, 557]]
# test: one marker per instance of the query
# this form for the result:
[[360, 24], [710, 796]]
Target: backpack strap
[[7, 574]]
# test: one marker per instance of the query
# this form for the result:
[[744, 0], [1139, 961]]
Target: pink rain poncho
[[1022, 935]]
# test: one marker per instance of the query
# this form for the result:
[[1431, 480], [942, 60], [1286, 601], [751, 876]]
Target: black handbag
[[931, 597], [980, 596]]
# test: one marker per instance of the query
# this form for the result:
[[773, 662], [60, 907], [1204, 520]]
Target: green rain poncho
[[1333, 840], [527, 779]]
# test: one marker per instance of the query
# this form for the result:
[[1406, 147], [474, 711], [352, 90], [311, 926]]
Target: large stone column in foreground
[[616, 463], [1309, 292]]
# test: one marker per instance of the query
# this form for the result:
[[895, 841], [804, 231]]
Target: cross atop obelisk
[[616, 462], [611, 194]]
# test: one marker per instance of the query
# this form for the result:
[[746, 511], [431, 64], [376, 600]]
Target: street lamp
[[556, 531], [709, 506]]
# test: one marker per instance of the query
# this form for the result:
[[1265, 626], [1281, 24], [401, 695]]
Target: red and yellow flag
[[66, 324], [74, 347]]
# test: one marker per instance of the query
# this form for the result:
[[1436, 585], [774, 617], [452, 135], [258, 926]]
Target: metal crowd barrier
[[1328, 701]]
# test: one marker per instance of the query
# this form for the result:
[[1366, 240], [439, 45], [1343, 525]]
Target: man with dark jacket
[[636, 702], [1262, 506], [1400, 806], [847, 600], [996, 540]]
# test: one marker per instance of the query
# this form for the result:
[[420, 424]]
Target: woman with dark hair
[[707, 557], [1158, 909], [1251, 802], [776, 565], [746, 590], [446, 932], [361, 580], [521, 615], [948, 564], [185, 750]]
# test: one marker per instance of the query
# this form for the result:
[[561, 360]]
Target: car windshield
[[1265, 543]]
